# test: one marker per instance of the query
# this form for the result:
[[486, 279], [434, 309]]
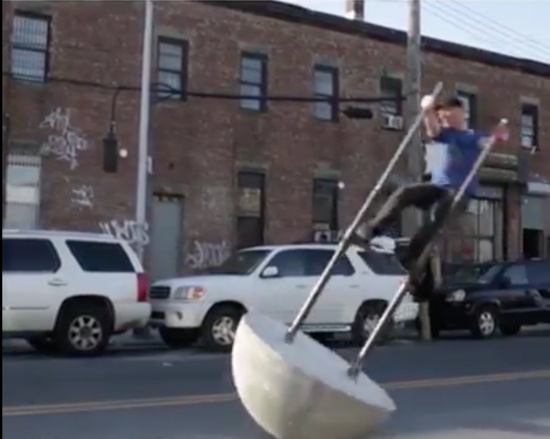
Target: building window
[[325, 205], [326, 86], [22, 190], [529, 126], [469, 103], [253, 81], [391, 88], [251, 207], [172, 65], [30, 44]]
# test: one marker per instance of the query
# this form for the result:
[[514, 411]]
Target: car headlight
[[188, 293], [456, 296]]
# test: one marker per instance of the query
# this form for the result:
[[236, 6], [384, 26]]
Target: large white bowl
[[301, 390]]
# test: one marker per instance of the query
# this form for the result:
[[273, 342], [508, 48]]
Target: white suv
[[70, 292], [277, 280]]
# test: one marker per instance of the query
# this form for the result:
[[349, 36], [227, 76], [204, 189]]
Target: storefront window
[[485, 250], [459, 249], [478, 236], [486, 217]]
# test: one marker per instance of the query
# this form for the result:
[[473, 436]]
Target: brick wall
[[198, 145]]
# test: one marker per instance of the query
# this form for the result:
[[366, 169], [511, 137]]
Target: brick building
[[228, 172]]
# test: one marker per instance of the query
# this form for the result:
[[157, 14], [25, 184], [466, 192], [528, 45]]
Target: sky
[[519, 28]]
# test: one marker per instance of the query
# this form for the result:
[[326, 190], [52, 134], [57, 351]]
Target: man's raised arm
[[431, 121], [500, 134]]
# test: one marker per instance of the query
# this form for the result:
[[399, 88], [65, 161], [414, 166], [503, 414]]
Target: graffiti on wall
[[66, 141], [83, 196], [134, 233], [203, 255]]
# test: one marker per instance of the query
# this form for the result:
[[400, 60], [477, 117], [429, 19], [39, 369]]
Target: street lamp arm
[[156, 87], [114, 101]]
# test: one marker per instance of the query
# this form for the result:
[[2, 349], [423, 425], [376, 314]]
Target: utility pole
[[142, 196], [413, 87], [415, 157], [144, 116]]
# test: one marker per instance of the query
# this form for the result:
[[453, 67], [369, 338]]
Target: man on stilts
[[445, 125]]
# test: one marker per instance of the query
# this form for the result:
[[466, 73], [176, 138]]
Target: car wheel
[[219, 327], [83, 331], [366, 319], [176, 338], [485, 324], [510, 329], [43, 344]]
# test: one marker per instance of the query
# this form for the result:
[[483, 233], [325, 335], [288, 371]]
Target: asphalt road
[[457, 389]]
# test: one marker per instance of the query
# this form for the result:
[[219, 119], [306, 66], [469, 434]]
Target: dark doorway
[[251, 209], [533, 243]]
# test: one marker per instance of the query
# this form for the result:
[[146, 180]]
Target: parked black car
[[486, 298]]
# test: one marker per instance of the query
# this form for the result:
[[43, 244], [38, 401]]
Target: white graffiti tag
[[67, 141], [134, 233], [205, 254], [83, 196]]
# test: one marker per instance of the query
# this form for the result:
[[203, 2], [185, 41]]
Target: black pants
[[425, 196]]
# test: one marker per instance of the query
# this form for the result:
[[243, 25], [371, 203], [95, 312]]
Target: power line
[[479, 25], [498, 26], [480, 34], [163, 88]]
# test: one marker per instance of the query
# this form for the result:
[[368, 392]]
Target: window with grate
[[30, 44], [22, 209], [172, 67]]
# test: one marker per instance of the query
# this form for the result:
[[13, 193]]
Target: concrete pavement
[[127, 341], [449, 390]]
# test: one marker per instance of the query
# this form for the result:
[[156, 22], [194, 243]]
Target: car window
[[30, 255], [382, 263], [317, 260], [490, 275], [538, 273], [100, 257], [516, 274], [309, 262], [241, 263], [289, 263], [466, 274]]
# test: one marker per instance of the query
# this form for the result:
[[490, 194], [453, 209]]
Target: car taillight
[[141, 287]]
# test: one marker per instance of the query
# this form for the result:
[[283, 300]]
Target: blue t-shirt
[[460, 149]]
